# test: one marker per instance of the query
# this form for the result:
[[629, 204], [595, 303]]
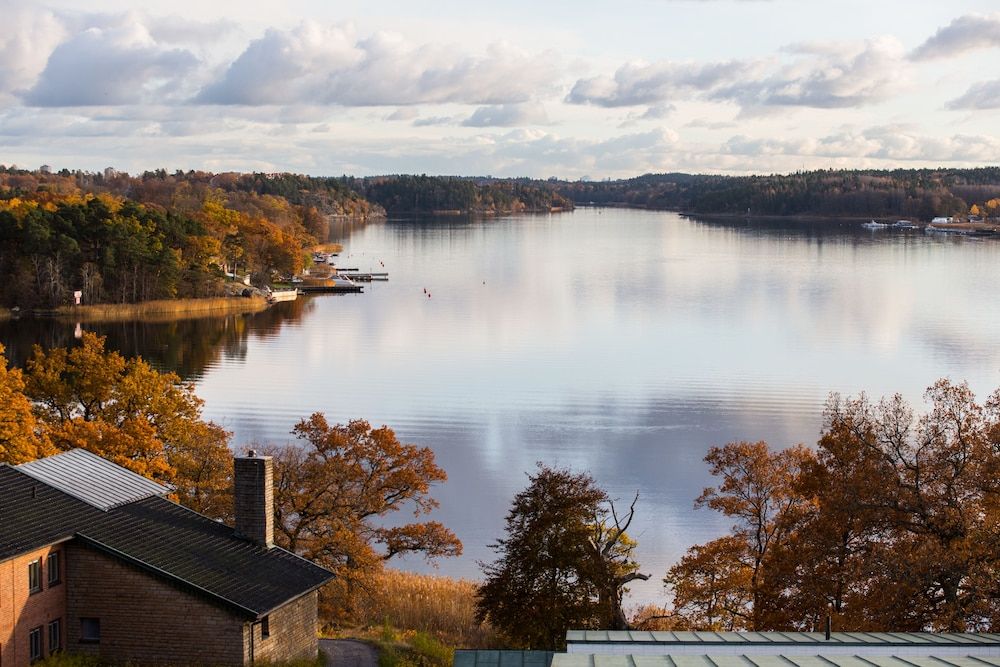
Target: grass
[[412, 649], [437, 607], [161, 309], [328, 247]]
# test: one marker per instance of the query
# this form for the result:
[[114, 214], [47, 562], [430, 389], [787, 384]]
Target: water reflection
[[620, 342], [186, 346]]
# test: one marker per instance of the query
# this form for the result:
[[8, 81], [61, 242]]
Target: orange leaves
[[19, 437], [331, 493]]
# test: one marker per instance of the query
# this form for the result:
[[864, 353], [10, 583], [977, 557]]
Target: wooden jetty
[[364, 277], [330, 289]]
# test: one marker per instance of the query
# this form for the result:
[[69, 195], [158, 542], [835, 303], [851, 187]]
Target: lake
[[623, 343]]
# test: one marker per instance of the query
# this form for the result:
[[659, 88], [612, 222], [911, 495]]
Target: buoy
[[428, 295], [425, 290]]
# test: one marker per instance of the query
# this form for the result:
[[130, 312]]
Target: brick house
[[95, 559]]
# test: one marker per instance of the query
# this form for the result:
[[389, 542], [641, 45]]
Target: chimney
[[253, 498]]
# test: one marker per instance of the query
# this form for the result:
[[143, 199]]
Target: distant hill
[[404, 194], [914, 193]]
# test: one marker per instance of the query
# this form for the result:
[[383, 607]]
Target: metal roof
[[95, 481], [780, 660], [928, 640], [487, 658]]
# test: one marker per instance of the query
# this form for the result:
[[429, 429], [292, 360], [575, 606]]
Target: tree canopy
[[562, 563], [890, 524]]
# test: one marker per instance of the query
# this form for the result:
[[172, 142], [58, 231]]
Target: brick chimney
[[253, 497]]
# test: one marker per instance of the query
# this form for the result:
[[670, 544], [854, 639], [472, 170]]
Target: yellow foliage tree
[[19, 438], [130, 413]]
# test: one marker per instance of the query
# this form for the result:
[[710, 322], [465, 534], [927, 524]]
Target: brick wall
[[292, 632], [20, 611], [253, 498], [145, 620]]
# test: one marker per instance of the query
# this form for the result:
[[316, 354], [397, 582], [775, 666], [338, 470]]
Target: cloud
[[29, 36], [818, 75], [966, 33], [882, 142], [330, 65], [826, 76], [640, 83], [507, 115], [403, 113], [117, 64], [431, 121], [982, 95]]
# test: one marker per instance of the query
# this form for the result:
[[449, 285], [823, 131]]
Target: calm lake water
[[623, 343]]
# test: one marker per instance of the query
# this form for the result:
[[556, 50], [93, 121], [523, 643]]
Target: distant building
[[95, 559], [45, 169], [110, 172]]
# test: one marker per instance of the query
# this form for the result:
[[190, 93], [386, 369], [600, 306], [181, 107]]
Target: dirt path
[[348, 653]]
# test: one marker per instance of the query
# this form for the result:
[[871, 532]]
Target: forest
[[405, 194], [905, 193]]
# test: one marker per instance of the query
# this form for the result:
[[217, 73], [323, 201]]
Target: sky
[[588, 89]]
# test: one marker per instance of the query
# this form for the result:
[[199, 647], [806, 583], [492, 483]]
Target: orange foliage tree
[[893, 524], [332, 492]]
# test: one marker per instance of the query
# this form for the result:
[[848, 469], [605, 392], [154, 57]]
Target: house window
[[90, 630], [52, 566], [34, 576], [265, 627], [55, 635], [35, 644]]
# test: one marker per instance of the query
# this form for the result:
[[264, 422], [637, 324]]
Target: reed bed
[[162, 309], [328, 247], [442, 607]]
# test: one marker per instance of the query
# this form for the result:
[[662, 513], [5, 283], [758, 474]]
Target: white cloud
[[966, 33], [331, 66], [640, 83], [883, 142], [117, 64], [819, 75], [29, 35], [982, 95], [508, 115]]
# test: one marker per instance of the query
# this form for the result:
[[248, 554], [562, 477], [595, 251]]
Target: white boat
[[274, 296], [874, 225], [904, 224]]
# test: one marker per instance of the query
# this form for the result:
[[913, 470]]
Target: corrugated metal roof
[[631, 660], [93, 480], [489, 658], [921, 639]]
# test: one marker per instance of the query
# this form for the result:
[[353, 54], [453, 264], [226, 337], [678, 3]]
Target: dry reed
[[440, 606], [161, 309]]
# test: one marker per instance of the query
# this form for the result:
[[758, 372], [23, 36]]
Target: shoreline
[[158, 309]]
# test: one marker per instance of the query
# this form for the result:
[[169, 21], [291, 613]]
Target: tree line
[[907, 193], [404, 194]]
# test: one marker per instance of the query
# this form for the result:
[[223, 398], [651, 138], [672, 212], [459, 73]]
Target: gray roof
[[189, 550], [489, 658], [95, 481], [668, 639], [627, 660]]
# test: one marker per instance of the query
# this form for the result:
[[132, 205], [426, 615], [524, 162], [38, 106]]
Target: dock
[[330, 289], [364, 277]]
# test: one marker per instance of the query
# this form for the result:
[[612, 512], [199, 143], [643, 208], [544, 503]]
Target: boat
[[276, 295], [905, 224], [874, 225], [333, 284]]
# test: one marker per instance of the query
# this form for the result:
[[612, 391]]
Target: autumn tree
[[333, 492], [133, 415], [20, 440], [562, 563]]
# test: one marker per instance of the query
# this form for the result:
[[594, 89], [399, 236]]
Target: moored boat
[[874, 225]]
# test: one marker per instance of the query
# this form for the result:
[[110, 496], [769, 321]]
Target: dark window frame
[[35, 576], [265, 627], [90, 637], [55, 635], [35, 652], [53, 568]]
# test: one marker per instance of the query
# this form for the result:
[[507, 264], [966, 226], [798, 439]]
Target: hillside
[[916, 193]]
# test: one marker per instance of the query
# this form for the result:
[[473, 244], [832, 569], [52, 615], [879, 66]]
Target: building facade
[[95, 559]]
